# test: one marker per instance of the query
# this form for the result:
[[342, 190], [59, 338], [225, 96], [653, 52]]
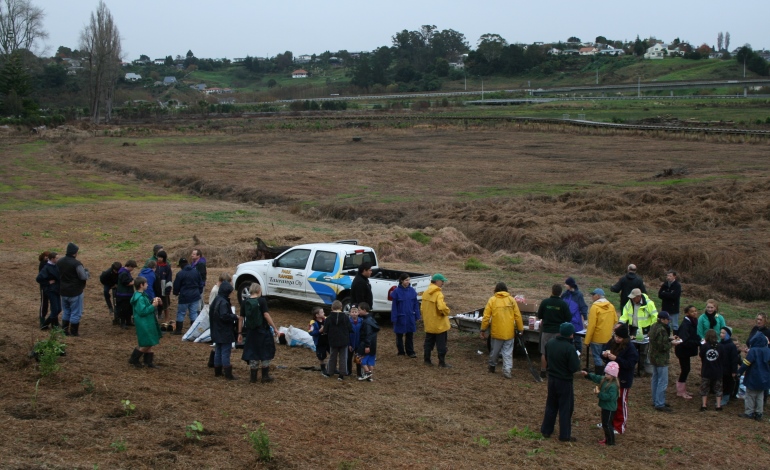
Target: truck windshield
[[354, 260]]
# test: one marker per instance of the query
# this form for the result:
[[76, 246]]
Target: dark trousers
[[108, 297], [123, 308], [55, 301], [560, 401], [609, 429], [435, 340], [338, 359], [728, 385], [684, 366], [409, 343], [43, 306]]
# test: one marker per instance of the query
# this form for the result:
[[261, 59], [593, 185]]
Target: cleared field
[[506, 197]]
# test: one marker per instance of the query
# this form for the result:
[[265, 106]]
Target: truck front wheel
[[243, 289]]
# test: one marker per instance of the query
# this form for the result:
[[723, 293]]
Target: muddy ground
[[410, 416]]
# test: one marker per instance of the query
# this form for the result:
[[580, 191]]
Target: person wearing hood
[[147, 328], [690, 342], [602, 317], [659, 352], [577, 307], [710, 319], [503, 316], [639, 313], [223, 325], [669, 293], [731, 360], [125, 291], [627, 283], [404, 314], [73, 283], [435, 317], [563, 363], [188, 286], [756, 366]]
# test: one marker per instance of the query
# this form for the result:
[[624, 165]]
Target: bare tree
[[21, 25], [100, 41], [720, 41], [727, 41]]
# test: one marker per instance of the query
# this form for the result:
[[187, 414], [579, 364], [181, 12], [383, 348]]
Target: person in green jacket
[[710, 319], [552, 312], [607, 392], [147, 328], [563, 362]]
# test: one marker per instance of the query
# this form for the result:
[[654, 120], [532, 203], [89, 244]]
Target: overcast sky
[[236, 28]]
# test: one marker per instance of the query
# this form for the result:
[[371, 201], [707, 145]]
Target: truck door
[[287, 274], [325, 278]]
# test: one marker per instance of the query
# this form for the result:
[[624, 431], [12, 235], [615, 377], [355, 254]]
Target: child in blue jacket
[[320, 338], [355, 338], [756, 365]]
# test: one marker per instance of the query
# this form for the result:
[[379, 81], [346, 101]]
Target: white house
[[657, 51], [159, 61], [303, 59], [588, 51], [299, 73], [133, 77], [612, 51]]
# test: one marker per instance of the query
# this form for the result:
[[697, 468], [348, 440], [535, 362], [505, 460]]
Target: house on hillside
[[199, 87], [612, 51], [133, 77], [168, 81], [159, 61], [303, 59], [299, 73], [588, 51], [657, 51]]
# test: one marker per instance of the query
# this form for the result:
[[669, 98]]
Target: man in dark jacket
[[670, 292], [628, 283], [563, 363], [124, 292], [109, 280], [188, 286], [552, 312], [73, 283], [223, 322], [361, 289], [199, 263]]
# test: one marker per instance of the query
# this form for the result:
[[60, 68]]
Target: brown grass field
[[533, 207]]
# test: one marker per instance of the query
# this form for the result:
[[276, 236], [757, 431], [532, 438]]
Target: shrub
[[420, 237], [473, 264], [47, 352], [194, 430], [260, 442]]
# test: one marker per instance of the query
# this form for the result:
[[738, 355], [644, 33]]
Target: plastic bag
[[201, 324], [204, 337], [298, 338]]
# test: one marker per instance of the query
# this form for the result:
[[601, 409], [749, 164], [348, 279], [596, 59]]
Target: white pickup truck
[[321, 273]]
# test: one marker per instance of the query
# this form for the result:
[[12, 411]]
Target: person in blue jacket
[[756, 365], [577, 307], [404, 314], [355, 338], [188, 286]]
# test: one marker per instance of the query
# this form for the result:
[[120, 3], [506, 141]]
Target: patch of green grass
[[519, 190], [32, 147], [474, 264], [419, 237], [482, 441], [101, 186], [237, 216], [525, 433], [125, 245], [510, 260], [346, 196], [118, 446], [532, 452]]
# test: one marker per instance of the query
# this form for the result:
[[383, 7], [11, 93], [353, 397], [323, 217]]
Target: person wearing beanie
[[73, 283], [620, 350], [601, 319], [577, 308], [552, 312], [731, 360], [562, 362], [659, 353], [627, 283], [607, 391]]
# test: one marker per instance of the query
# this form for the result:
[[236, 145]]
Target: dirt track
[[410, 417]]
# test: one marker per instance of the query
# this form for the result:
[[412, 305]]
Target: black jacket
[[553, 312], [563, 361], [626, 284], [109, 278], [627, 360], [711, 361], [164, 274], [71, 284], [688, 333], [125, 289], [369, 329], [188, 285], [50, 272], [731, 358], [765, 330], [670, 295], [221, 316], [361, 291], [338, 328]]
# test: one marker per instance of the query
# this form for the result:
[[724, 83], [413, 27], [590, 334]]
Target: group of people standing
[[62, 281], [642, 333]]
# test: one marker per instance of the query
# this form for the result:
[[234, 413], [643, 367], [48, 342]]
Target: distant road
[[649, 86]]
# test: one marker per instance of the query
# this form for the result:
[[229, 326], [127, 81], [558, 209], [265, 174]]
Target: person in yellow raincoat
[[435, 317], [503, 318]]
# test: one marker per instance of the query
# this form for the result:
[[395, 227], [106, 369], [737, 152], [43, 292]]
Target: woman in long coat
[[405, 313], [255, 323], [146, 324]]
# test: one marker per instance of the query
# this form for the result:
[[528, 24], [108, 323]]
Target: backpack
[[253, 317]]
